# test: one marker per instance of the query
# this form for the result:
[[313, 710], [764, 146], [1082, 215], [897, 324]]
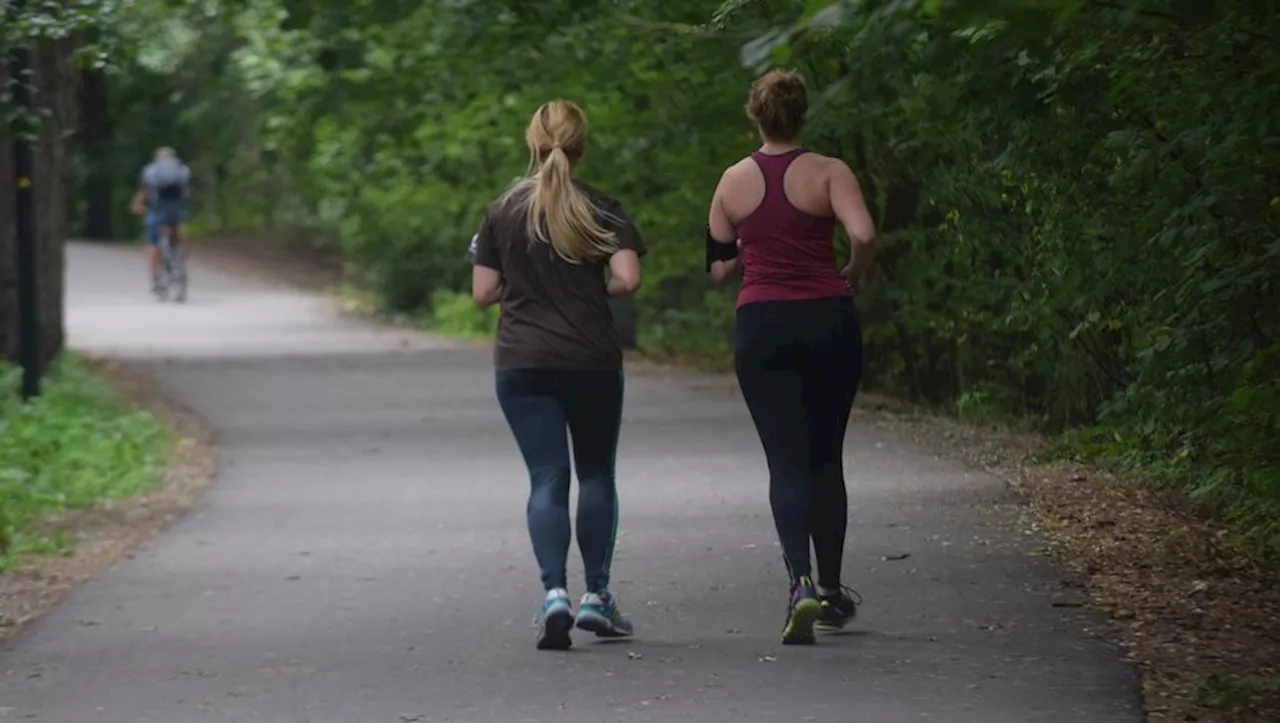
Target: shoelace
[[853, 595]]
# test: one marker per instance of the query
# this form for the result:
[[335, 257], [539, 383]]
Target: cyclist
[[163, 192]]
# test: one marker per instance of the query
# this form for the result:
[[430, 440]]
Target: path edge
[[115, 529]]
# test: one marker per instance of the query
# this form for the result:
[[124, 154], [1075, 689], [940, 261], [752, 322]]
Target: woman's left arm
[[624, 263]]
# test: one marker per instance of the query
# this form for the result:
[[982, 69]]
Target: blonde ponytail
[[559, 213]]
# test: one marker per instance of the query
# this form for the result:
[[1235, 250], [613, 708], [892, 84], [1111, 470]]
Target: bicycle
[[171, 280]]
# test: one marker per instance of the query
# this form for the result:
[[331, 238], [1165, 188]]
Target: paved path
[[362, 556]]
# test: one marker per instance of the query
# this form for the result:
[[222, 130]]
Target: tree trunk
[[8, 248], [55, 95]]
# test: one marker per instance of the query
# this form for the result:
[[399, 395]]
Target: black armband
[[717, 251]]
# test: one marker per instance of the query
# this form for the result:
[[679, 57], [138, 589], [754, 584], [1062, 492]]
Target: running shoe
[[803, 611], [838, 610], [555, 621], [598, 613]]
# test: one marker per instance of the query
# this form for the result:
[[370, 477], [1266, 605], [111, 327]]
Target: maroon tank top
[[787, 254]]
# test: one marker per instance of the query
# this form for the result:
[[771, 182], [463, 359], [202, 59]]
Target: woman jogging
[[541, 253], [798, 352]]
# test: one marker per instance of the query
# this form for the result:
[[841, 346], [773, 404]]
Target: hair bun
[[778, 104]]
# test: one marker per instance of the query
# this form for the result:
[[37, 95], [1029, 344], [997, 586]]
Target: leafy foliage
[[36, 21], [73, 446], [1078, 202], [1077, 199], [455, 313]]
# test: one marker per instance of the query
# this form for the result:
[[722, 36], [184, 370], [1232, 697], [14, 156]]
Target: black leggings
[[799, 364]]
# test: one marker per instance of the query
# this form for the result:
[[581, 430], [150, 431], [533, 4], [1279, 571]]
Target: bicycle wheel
[[178, 274], [166, 263], [160, 276]]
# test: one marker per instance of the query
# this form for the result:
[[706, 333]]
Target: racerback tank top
[[787, 254]]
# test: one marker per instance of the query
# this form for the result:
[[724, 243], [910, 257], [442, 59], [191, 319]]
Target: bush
[[455, 313]]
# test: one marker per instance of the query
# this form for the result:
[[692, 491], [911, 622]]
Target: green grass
[[369, 303], [77, 444], [451, 312]]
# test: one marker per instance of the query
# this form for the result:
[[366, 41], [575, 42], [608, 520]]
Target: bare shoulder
[[833, 165], [836, 173], [738, 171]]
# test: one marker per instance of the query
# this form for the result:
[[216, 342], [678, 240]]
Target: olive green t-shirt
[[555, 314]]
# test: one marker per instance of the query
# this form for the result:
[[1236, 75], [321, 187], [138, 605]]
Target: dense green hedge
[[1077, 201]]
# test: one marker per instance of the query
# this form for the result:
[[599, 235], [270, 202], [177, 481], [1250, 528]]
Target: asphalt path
[[362, 555]]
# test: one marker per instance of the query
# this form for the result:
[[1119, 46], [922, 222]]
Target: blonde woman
[[541, 252]]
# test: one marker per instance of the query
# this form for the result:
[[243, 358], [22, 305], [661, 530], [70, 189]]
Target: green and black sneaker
[[838, 610], [803, 612]]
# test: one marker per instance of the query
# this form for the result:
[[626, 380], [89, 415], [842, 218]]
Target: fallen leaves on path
[[1199, 619]]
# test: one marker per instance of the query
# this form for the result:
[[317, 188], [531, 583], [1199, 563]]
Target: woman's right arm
[[486, 266], [851, 208], [720, 229], [624, 273], [486, 286]]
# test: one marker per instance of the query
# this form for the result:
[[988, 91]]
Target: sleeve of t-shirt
[[625, 230], [484, 246]]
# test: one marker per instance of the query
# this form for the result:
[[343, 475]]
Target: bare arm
[[138, 203], [851, 208], [723, 231], [722, 271], [486, 286], [486, 265], [624, 273]]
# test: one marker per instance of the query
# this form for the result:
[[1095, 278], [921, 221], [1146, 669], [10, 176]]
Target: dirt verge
[[1201, 621], [113, 529]]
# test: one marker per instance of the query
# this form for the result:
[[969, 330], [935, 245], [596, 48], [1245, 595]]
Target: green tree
[[1076, 198]]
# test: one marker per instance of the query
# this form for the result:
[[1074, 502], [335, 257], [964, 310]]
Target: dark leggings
[[540, 405], [799, 364]]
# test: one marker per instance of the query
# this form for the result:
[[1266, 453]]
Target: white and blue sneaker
[[598, 613], [555, 621]]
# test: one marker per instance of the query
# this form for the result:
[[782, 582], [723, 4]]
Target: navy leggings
[[541, 405], [799, 364]]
